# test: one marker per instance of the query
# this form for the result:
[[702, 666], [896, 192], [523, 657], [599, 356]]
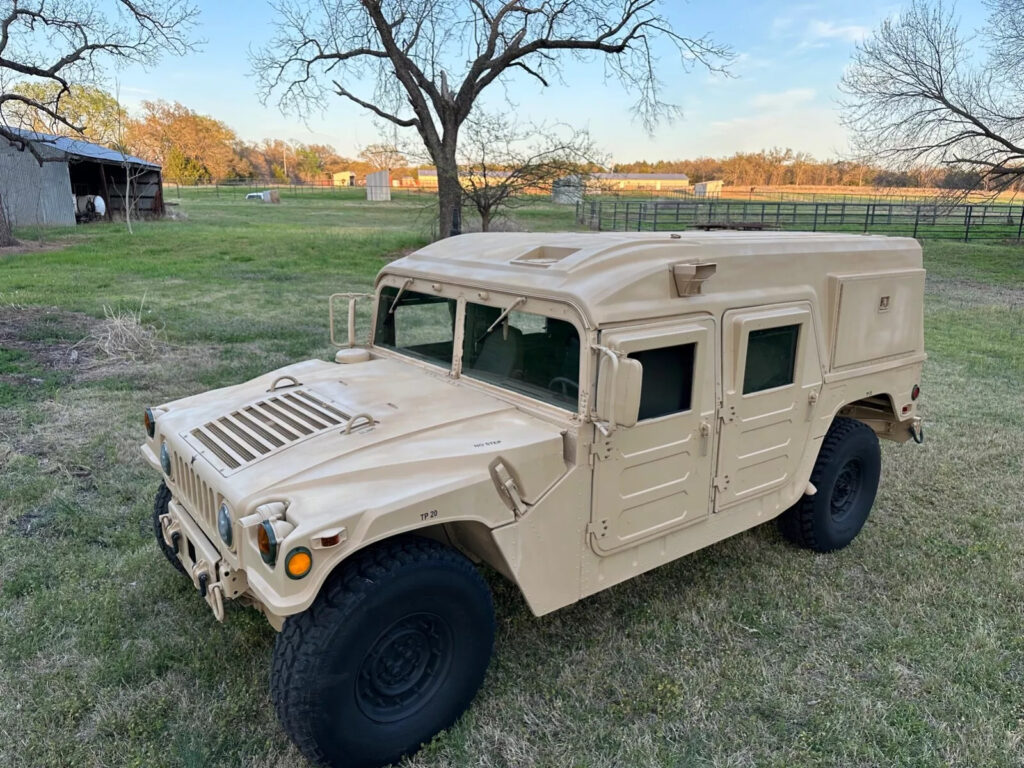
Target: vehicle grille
[[200, 498], [243, 436]]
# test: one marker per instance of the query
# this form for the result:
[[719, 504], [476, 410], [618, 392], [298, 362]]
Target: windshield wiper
[[399, 295], [503, 315]]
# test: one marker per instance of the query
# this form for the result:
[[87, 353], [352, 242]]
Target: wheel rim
[[404, 667], [846, 490]]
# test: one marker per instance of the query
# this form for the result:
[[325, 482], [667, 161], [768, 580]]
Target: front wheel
[[391, 652], [163, 498], [846, 475]]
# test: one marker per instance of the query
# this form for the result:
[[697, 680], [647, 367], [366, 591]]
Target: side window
[[667, 384], [771, 358]]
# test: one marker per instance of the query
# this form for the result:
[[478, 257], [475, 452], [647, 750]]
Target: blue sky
[[790, 57]]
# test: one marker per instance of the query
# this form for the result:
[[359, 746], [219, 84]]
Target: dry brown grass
[[123, 336]]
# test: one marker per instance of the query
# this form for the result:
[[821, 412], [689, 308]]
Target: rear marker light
[[298, 563], [915, 392]]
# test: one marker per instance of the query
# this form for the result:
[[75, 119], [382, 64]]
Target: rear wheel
[[846, 477], [163, 498], [391, 652]]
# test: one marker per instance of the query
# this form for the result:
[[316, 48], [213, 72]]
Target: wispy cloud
[[783, 99], [827, 30]]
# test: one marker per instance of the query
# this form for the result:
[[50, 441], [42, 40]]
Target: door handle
[[705, 435]]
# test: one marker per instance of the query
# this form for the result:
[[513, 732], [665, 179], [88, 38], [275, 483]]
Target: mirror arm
[[352, 299], [609, 426]]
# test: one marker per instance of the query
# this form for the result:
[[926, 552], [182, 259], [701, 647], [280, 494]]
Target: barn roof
[[643, 176], [81, 149]]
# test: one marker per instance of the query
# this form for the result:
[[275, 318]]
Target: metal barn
[[53, 193]]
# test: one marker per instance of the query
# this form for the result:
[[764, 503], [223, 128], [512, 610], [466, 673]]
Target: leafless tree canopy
[[423, 64], [68, 42], [921, 92], [500, 161]]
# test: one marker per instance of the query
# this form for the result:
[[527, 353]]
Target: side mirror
[[618, 390], [352, 299]]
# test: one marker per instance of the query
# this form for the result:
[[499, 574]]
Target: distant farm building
[[629, 182], [74, 172], [426, 178], [708, 188], [344, 179]]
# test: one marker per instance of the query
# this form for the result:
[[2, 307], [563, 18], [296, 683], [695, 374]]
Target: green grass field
[[903, 650]]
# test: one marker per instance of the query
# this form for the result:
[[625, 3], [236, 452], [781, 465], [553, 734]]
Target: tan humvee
[[571, 410]]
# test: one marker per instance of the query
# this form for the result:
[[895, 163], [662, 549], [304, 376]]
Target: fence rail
[[924, 220]]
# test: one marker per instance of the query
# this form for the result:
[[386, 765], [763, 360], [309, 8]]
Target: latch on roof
[[690, 277]]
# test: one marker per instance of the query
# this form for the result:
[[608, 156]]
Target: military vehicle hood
[[367, 433]]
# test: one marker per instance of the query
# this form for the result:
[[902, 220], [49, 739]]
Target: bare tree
[[500, 162], [917, 92], [68, 42], [429, 61]]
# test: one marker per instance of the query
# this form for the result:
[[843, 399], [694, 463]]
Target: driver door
[[655, 476]]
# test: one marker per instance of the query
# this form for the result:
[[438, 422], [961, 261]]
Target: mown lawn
[[905, 649]]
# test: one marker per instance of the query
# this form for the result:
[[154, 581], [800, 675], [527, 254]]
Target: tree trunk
[[6, 238], [449, 196], [485, 221]]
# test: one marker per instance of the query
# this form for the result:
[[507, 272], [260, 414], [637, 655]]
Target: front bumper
[[215, 580]]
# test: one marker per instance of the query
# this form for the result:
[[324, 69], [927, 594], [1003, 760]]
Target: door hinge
[[600, 449], [597, 528], [722, 483]]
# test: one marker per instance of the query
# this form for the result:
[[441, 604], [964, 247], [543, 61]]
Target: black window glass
[[417, 324], [527, 353], [667, 383], [771, 358]]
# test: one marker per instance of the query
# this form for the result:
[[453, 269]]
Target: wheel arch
[[879, 412]]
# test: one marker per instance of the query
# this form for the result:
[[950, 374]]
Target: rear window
[[771, 358]]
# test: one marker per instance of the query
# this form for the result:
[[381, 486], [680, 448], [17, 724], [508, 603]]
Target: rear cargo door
[[771, 377], [655, 477]]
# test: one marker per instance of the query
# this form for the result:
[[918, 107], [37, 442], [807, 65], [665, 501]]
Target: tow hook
[[175, 541], [204, 580], [917, 430]]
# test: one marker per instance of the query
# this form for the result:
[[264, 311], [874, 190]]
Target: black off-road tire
[[163, 497], [391, 652], [846, 475]]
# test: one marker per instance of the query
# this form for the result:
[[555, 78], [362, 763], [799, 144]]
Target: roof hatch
[[544, 255]]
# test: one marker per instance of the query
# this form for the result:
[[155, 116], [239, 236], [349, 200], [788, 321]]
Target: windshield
[[532, 354], [417, 324], [527, 353]]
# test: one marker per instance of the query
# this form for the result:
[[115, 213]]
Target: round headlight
[[224, 523], [149, 420], [165, 459]]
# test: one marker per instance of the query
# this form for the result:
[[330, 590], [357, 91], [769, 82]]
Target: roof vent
[[543, 256], [689, 278]]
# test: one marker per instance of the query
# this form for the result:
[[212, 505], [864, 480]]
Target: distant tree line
[[783, 167], [192, 148]]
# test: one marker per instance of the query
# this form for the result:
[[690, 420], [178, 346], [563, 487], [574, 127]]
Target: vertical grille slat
[[258, 429]]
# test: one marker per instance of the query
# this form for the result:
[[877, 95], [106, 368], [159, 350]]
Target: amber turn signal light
[[149, 420], [298, 563], [266, 541]]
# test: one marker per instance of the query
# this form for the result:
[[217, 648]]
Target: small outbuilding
[[344, 179], [708, 188], [74, 172]]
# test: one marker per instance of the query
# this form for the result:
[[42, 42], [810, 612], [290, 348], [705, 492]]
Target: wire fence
[[234, 187], [925, 221]]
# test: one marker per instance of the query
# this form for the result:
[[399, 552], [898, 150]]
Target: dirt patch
[[971, 293], [51, 337], [34, 246]]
